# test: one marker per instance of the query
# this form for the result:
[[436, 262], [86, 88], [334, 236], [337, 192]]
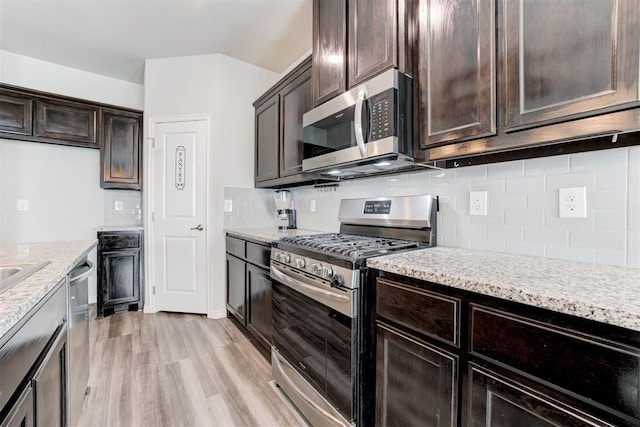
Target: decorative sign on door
[[181, 157]]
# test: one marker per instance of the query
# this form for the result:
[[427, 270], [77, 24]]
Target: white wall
[[224, 88], [522, 211], [61, 183]]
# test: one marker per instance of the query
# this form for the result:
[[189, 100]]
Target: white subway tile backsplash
[[505, 234], [613, 159], [554, 182], [506, 170], [546, 236], [571, 254], [524, 217], [611, 220], [522, 211], [534, 184], [598, 239], [614, 180], [555, 165]]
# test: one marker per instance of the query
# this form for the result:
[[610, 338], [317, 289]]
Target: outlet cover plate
[[23, 204], [572, 202], [228, 205], [478, 203]]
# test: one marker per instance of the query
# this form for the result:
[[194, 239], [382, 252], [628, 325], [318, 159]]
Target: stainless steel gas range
[[323, 350]]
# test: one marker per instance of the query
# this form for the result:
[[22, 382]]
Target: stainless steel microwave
[[365, 130]]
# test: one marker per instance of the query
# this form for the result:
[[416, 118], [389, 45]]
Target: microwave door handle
[[357, 123]]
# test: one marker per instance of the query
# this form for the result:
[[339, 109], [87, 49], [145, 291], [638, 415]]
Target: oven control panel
[[336, 276]]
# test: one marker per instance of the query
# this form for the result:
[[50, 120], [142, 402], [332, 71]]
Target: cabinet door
[[295, 100], [416, 384], [121, 149], [22, 413], [456, 70], [373, 38], [267, 140], [259, 320], [236, 290], [50, 384], [68, 123], [16, 114], [496, 402], [568, 59], [120, 277], [329, 49]]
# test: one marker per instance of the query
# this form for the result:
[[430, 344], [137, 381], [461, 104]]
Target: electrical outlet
[[23, 204], [478, 203], [572, 202], [312, 205], [228, 205], [118, 205]]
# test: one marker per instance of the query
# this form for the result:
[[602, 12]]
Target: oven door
[[313, 332]]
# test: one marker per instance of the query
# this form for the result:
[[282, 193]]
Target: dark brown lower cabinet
[[120, 272], [417, 382], [249, 287], [513, 364]]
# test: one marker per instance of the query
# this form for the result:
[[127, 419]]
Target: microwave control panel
[[382, 115]]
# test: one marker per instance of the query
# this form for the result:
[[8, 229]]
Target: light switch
[[23, 204], [228, 205], [312, 205], [119, 205]]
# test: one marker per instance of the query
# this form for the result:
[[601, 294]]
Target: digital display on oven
[[377, 207]]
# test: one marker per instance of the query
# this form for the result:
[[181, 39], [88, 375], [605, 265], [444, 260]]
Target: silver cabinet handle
[[357, 121], [199, 227]]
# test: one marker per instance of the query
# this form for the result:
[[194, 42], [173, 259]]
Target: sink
[[10, 274]]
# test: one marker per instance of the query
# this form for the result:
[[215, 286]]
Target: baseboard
[[217, 314]]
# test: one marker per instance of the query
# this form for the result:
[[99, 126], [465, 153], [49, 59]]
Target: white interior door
[[179, 215]]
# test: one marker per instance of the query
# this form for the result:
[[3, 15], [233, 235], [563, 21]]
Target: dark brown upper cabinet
[[121, 151], [295, 100], [569, 59], [329, 49], [72, 123], [349, 48], [16, 114], [279, 133], [267, 139], [456, 70]]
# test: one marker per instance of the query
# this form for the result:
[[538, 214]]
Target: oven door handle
[[341, 303]]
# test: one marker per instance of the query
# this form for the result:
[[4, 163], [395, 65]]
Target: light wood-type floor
[[178, 370]]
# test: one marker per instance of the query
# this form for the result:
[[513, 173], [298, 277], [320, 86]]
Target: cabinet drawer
[[235, 246], [420, 310], [598, 370], [258, 254], [109, 241]]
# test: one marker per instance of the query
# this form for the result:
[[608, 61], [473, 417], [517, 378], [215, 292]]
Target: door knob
[[199, 227]]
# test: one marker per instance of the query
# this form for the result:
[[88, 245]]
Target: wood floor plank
[[171, 369]]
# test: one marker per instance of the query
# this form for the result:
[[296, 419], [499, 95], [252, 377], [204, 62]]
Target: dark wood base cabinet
[[450, 357], [120, 272], [249, 287]]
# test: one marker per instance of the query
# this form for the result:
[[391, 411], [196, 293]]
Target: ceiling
[[114, 37]]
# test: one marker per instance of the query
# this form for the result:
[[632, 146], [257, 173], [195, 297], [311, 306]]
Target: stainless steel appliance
[[365, 130], [78, 321], [322, 356], [284, 207]]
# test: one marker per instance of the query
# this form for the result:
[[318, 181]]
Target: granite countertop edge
[[17, 301], [498, 276], [267, 234]]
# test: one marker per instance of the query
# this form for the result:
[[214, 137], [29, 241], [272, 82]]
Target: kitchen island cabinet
[[515, 350]]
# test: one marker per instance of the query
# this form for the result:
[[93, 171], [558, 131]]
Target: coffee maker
[[285, 213]]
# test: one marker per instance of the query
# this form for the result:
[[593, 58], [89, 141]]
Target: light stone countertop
[[22, 297], [602, 293], [267, 234], [120, 228]]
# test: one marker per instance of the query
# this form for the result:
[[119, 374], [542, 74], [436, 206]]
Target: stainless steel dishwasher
[[78, 321]]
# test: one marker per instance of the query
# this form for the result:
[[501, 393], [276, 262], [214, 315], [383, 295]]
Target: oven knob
[[327, 272], [286, 258], [337, 281], [278, 256], [300, 263], [316, 269]]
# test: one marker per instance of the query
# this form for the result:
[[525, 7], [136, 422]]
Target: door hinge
[[153, 142], [153, 290]]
